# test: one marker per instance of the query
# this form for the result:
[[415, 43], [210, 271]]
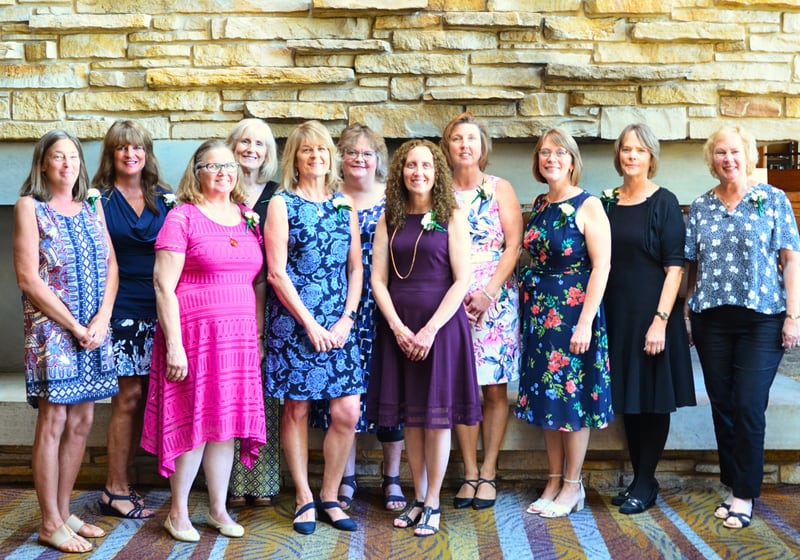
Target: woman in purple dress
[[420, 275]]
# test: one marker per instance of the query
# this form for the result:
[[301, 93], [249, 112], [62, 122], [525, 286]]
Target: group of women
[[381, 296]]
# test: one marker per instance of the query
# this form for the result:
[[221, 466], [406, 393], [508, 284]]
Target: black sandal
[[425, 524], [407, 519], [743, 518], [343, 524], [136, 512], [388, 481], [350, 481]]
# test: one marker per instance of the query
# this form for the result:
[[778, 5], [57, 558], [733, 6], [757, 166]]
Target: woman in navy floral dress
[[744, 279], [314, 267], [564, 385]]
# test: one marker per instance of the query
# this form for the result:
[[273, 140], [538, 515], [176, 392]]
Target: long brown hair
[[124, 133], [444, 202]]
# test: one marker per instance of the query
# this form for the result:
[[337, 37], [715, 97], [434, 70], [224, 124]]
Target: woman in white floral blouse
[[744, 309]]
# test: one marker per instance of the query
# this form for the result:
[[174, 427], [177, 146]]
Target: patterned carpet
[[681, 525]]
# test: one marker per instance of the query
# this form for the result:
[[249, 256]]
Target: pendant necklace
[[232, 239]]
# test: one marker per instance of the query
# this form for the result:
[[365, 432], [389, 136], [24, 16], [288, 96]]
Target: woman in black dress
[[651, 370]]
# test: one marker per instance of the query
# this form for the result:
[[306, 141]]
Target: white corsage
[[429, 222], [92, 195], [342, 208], [757, 198], [170, 200], [251, 219]]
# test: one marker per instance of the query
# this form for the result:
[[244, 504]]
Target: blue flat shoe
[[304, 527], [344, 524]]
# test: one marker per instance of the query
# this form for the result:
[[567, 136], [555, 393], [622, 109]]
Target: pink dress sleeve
[[174, 234]]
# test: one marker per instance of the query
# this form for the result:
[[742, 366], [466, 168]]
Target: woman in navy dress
[[420, 275], [314, 268], [564, 384], [135, 201]]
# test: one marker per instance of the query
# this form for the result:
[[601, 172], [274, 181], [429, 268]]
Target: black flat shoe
[[620, 498], [344, 524], [461, 503], [634, 505], [304, 527], [482, 503]]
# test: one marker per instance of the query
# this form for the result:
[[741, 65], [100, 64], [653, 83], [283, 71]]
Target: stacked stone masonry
[[189, 68]]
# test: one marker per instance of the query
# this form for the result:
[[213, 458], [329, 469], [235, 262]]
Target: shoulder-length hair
[[444, 201], [36, 185], [562, 139], [307, 133], [748, 140], [262, 131], [124, 133], [189, 189], [349, 138], [486, 140], [648, 139]]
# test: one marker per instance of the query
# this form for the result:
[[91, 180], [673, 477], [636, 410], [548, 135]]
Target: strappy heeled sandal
[[136, 512], [389, 481], [345, 501], [406, 518], [425, 523]]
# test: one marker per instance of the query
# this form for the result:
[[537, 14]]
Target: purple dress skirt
[[441, 390]]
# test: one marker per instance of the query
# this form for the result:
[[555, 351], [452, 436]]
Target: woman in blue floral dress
[[564, 384], [314, 267]]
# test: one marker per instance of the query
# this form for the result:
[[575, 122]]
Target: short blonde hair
[[189, 189], [310, 132], [261, 130], [562, 139], [748, 140]]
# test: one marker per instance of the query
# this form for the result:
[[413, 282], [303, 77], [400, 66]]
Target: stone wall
[[189, 68]]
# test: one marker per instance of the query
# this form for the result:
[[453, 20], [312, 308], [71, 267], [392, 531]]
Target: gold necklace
[[413, 256]]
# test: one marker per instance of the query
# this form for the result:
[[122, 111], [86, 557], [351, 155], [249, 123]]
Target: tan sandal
[[80, 527], [61, 537]]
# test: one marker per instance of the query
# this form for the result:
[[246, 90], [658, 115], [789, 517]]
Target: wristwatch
[[662, 315], [351, 314]]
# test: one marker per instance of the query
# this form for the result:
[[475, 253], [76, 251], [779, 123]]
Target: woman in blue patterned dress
[[314, 267], [744, 282], [364, 169], [67, 273], [564, 385], [492, 302], [135, 207]]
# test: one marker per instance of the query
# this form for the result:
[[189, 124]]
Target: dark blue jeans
[[739, 351]]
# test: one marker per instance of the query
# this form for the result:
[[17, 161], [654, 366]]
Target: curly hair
[[124, 133], [444, 201]]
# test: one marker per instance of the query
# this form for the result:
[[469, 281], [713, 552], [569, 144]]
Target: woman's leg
[[575, 445], [653, 430], [180, 483], [217, 464], [415, 454], [437, 455], [349, 470], [294, 440], [71, 451], [633, 434], [495, 420], [554, 445], [124, 432], [392, 454], [339, 441], [467, 438]]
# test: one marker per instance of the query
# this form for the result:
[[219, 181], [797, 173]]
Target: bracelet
[[491, 298], [662, 315], [793, 316]]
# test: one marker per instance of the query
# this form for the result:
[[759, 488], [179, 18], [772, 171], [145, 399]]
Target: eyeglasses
[[353, 154], [561, 152], [216, 167]]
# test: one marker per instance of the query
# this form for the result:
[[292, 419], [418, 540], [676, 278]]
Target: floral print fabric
[[559, 390], [319, 240], [736, 251], [496, 338]]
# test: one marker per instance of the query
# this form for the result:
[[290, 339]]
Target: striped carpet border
[[681, 525]]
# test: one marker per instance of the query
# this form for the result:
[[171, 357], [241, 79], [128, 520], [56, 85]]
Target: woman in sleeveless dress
[[67, 273], [314, 268], [564, 384], [492, 302], [420, 275]]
